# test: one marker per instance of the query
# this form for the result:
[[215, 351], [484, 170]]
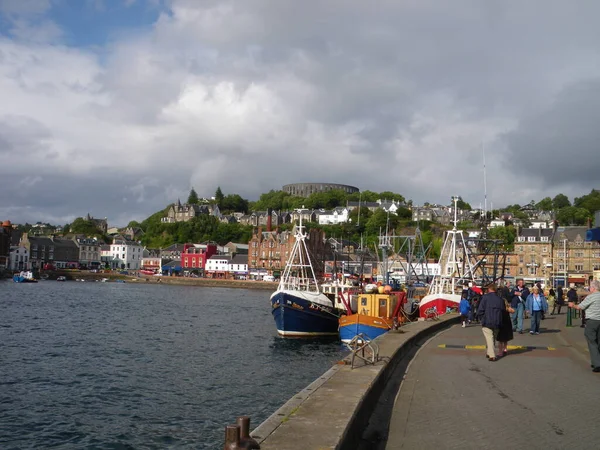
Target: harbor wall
[[334, 410]]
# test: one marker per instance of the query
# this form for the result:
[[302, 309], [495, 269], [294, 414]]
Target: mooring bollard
[[232, 437], [245, 440], [569, 317]]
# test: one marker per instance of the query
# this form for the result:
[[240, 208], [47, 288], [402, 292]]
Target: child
[[464, 309]]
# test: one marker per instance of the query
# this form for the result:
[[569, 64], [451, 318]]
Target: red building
[[194, 256]]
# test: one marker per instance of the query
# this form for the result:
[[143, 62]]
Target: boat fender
[[370, 288]]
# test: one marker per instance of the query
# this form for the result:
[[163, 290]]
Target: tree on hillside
[[461, 204], [388, 195], [507, 234], [571, 215], [545, 204], [591, 201], [561, 201], [219, 197], [234, 203], [193, 197]]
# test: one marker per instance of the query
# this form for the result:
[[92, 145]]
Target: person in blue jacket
[[464, 308], [536, 305]]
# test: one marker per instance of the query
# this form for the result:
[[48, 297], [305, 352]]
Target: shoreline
[[181, 281]]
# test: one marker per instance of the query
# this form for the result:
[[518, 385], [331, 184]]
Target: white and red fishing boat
[[456, 270]]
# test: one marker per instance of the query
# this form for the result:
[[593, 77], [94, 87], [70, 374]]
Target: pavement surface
[[542, 395]]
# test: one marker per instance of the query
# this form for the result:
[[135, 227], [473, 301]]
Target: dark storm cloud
[[560, 145]]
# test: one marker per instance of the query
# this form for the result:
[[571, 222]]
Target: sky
[[118, 107]]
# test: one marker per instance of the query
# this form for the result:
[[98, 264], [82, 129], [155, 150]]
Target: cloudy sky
[[118, 107]]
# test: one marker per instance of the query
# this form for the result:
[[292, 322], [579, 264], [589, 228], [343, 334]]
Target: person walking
[[490, 315], [505, 333], [518, 298], [465, 308], [574, 298], [560, 300], [551, 299], [591, 304], [536, 305]]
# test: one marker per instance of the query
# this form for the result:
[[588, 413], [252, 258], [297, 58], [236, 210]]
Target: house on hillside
[[178, 212], [101, 224]]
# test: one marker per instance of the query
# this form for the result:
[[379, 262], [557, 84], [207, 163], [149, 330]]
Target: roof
[[215, 257], [570, 233], [240, 259], [536, 232], [240, 246]]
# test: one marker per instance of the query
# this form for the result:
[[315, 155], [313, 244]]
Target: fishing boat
[[298, 306], [61, 278], [375, 313], [24, 277], [456, 269]]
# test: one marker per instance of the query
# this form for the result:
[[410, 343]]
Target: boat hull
[[18, 279], [355, 324], [296, 315], [439, 301]]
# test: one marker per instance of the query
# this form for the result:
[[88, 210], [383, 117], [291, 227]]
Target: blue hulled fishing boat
[[299, 308]]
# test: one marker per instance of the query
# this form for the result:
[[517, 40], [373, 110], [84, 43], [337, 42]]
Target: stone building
[[533, 251], [307, 189], [178, 212], [573, 257]]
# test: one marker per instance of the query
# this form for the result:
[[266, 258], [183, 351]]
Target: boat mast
[[299, 259]]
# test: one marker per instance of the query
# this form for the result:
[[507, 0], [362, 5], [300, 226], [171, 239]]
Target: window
[[578, 254], [521, 239], [544, 249], [531, 239], [544, 238], [578, 267], [520, 271], [508, 259], [521, 258], [561, 267], [520, 248]]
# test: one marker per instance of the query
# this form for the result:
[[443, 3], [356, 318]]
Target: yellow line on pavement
[[510, 347]]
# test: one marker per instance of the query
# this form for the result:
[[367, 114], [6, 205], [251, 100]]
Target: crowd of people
[[502, 310]]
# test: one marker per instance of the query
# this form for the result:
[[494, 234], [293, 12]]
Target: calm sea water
[[122, 365]]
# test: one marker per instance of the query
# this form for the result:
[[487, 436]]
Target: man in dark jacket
[[560, 300], [574, 298], [518, 298], [490, 315]]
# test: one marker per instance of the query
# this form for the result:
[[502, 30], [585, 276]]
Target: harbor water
[[127, 365]]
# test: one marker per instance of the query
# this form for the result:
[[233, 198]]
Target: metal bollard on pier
[[237, 437], [569, 317]]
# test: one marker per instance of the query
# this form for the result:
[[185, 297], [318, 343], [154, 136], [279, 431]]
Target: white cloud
[[256, 94]]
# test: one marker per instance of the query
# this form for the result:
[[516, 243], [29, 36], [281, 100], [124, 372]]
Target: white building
[[217, 265], [238, 267], [338, 215], [125, 254], [19, 259]]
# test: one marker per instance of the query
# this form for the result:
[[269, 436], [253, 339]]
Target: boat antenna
[[484, 185]]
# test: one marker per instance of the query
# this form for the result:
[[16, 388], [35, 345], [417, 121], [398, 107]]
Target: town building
[[101, 224], [178, 212], [19, 259], [51, 251], [217, 266], [238, 267], [126, 254], [5, 243], [336, 216], [307, 189], [574, 258], [89, 252], [152, 263], [235, 248], [533, 250], [171, 253], [194, 256]]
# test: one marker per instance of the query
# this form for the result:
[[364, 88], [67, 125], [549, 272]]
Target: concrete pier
[[334, 410]]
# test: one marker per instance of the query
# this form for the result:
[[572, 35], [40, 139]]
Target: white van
[[270, 278]]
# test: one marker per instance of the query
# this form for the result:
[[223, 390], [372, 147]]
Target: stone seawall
[[334, 410], [184, 281]]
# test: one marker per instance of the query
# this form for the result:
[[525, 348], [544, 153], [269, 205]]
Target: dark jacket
[[572, 295], [515, 299], [490, 310], [560, 296]]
